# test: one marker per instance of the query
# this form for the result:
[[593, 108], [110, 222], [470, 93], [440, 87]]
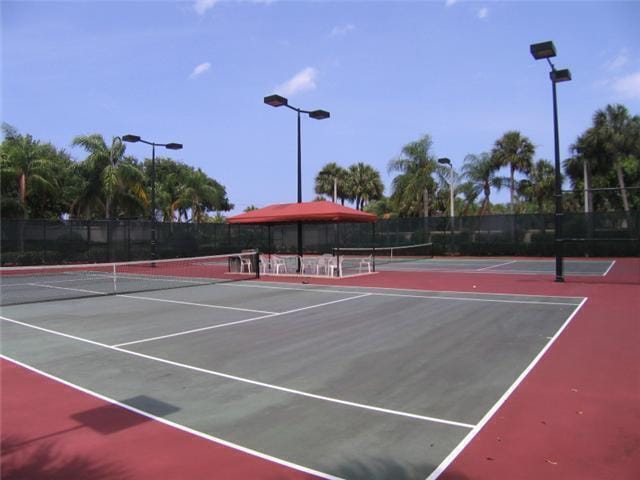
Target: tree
[[539, 188], [27, 162], [330, 181], [410, 189], [364, 184], [111, 179], [481, 173], [619, 134], [604, 155], [515, 151], [201, 194]]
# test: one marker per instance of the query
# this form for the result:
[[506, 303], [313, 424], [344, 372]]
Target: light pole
[[446, 161], [279, 101], [539, 51], [170, 146]]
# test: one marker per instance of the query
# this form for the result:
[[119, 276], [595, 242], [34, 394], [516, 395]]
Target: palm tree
[[539, 188], [364, 184], [411, 187], [515, 151], [28, 161], [201, 194], [619, 134], [480, 172], [331, 181], [110, 177]]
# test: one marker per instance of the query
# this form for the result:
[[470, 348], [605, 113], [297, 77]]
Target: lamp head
[[131, 138], [558, 76], [542, 50], [276, 101], [319, 114], [173, 146], [444, 161]]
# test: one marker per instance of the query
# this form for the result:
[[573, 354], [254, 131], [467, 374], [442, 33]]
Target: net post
[[113, 272], [256, 262], [373, 252]]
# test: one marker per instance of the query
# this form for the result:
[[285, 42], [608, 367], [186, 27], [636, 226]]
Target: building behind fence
[[31, 242]]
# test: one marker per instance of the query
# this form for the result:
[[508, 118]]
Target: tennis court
[[504, 265], [336, 381]]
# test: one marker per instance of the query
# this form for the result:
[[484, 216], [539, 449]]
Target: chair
[[309, 262], [265, 264], [323, 263], [245, 262], [278, 263], [365, 262], [335, 265]]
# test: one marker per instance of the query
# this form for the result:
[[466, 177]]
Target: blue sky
[[196, 72]]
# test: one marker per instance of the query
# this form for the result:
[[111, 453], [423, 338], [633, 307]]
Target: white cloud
[[619, 61], [341, 30], [628, 87], [200, 69], [449, 3], [202, 6], [301, 82], [483, 13]]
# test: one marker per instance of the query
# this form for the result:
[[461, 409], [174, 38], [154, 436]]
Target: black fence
[[32, 242]]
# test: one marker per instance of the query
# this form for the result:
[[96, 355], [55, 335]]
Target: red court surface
[[576, 415], [51, 431]]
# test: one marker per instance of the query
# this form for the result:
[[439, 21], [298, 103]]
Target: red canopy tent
[[319, 211], [304, 212]]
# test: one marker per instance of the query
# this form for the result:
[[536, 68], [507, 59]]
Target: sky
[[196, 73]]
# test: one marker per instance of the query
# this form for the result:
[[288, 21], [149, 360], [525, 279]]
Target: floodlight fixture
[[276, 101], [558, 76], [173, 146], [319, 114], [131, 138], [444, 161], [543, 50]]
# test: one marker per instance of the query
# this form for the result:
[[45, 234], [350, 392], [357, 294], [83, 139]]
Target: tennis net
[[20, 285], [382, 255]]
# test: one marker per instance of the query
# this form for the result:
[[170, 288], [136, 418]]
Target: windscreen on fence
[[33, 242]]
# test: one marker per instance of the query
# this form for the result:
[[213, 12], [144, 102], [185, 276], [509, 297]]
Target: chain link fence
[[33, 242]]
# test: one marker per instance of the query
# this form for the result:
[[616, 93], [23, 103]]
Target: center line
[[238, 322]]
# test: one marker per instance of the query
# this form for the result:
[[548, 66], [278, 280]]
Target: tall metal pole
[[299, 193], [558, 178], [451, 190], [153, 202]]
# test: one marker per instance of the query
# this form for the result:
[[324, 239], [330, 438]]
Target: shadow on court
[[47, 461]]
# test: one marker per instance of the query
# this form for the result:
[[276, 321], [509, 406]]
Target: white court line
[[429, 297], [211, 327], [66, 288], [496, 266], [277, 286], [465, 441], [177, 426], [247, 380], [206, 305], [492, 272], [610, 267]]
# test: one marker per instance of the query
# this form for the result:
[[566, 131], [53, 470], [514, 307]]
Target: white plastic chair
[[323, 264], [365, 262], [278, 263], [309, 263], [245, 262], [265, 264], [335, 265]]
